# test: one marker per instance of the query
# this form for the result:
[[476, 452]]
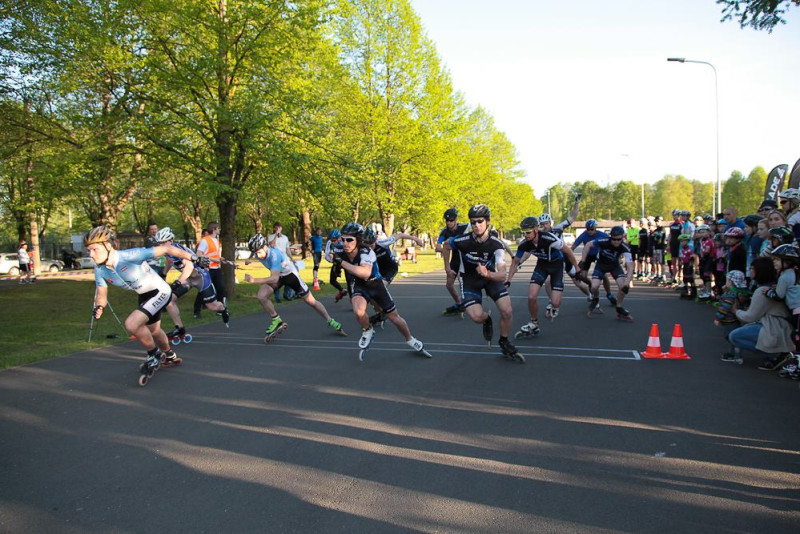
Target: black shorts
[[555, 270], [372, 290], [153, 303], [634, 251], [602, 269], [317, 259], [472, 290], [295, 282], [389, 277], [674, 250], [24, 267], [209, 294]]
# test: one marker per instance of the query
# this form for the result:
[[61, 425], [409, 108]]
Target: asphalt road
[[299, 436]]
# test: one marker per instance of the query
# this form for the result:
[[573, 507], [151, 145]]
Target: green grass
[[52, 317]]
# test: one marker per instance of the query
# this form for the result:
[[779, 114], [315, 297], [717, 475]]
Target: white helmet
[[791, 194], [545, 218], [165, 234]]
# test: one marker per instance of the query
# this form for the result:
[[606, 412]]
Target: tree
[[760, 14], [745, 194], [672, 192]]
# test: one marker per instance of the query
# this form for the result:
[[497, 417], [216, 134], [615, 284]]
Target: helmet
[[702, 227], [685, 237], [98, 234], [545, 218], [591, 224], [480, 210], [787, 251], [617, 231], [675, 212], [165, 234], [718, 237], [791, 194], [369, 237], [529, 223], [734, 232], [643, 221], [782, 233], [451, 214], [353, 228], [334, 234], [708, 217], [257, 242], [659, 218], [686, 213]]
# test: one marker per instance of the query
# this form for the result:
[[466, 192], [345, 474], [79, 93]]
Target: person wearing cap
[[767, 206], [735, 296]]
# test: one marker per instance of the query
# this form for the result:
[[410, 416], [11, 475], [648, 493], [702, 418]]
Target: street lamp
[[716, 104]]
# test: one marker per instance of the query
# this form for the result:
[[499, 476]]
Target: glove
[[178, 289], [202, 261], [771, 294]]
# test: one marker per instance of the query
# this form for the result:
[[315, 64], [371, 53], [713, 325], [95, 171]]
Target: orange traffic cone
[[653, 349], [316, 284], [676, 350]]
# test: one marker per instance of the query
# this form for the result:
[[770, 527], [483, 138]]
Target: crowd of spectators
[[747, 267]]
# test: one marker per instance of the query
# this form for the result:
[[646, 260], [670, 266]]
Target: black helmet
[[451, 214], [480, 211], [529, 223], [752, 220], [784, 233], [353, 228], [369, 237], [787, 252], [591, 224], [257, 242], [617, 231]]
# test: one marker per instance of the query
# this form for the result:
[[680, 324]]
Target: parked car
[[86, 262], [242, 253], [568, 238], [9, 264]]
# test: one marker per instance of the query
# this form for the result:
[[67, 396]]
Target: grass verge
[[52, 317]]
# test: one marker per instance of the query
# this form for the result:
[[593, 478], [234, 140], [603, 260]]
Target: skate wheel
[[362, 354], [150, 373], [175, 340], [426, 353], [142, 367], [518, 335], [343, 333], [143, 380], [267, 339], [187, 338], [519, 357]]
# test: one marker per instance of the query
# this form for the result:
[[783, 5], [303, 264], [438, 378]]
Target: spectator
[[776, 218], [736, 253], [735, 296], [790, 205], [763, 233], [766, 329], [786, 259], [282, 244], [315, 241], [156, 264], [688, 259], [25, 267], [752, 240], [766, 207], [731, 220], [209, 246]]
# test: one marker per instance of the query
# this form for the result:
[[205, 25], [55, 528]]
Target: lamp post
[[716, 105]]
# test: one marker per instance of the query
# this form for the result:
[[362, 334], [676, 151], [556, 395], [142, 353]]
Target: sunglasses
[[616, 239], [348, 239], [477, 221], [524, 231], [449, 220]]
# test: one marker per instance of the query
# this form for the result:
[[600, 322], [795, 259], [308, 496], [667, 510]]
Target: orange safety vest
[[213, 251]]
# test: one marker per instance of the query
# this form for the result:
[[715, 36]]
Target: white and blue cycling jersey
[[276, 261], [584, 238], [128, 269]]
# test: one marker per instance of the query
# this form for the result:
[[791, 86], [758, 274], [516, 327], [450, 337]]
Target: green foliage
[[758, 14]]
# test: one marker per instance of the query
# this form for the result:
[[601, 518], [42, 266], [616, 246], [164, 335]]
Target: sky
[[584, 91]]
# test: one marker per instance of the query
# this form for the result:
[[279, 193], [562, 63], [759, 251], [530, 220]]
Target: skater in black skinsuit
[[609, 252]]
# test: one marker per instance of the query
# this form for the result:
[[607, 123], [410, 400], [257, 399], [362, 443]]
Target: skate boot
[[594, 304], [548, 310], [170, 359], [455, 309], [275, 328], [150, 366], [226, 317], [612, 299], [553, 313], [418, 346], [178, 334], [528, 330], [624, 315], [364, 342], [510, 351], [340, 295], [336, 325], [488, 330]]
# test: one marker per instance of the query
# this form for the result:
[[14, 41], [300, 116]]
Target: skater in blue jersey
[[610, 251]]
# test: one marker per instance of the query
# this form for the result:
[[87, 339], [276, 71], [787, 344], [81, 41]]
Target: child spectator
[[687, 259], [763, 233], [737, 255], [659, 242], [705, 250], [720, 253], [735, 296]]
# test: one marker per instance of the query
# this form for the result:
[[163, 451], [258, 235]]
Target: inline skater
[[659, 243], [483, 268], [451, 268], [590, 235], [282, 273], [675, 230], [191, 277], [609, 252], [365, 284], [546, 224], [334, 244], [550, 252], [128, 269], [645, 249], [384, 258]]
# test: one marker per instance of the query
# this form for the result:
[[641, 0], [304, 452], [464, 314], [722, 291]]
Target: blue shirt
[[130, 272], [316, 243], [585, 237], [274, 260]]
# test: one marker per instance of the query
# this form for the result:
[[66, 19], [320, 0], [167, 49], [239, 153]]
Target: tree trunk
[[305, 226], [31, 201], [226, 204]]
